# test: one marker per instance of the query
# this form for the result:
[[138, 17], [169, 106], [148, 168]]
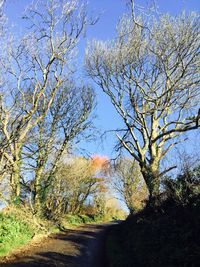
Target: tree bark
[[38, 191], [151, 176], [15, 183]]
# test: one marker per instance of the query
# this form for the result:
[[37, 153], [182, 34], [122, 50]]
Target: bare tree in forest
[[33, 69], [150, 72]]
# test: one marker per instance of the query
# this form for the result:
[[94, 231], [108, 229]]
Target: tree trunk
[[38, 191], [15, 184], [15, 175], [152, 179]]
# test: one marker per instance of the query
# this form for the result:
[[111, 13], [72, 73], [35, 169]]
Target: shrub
[[185, 189], [166, 236], [157, 239]]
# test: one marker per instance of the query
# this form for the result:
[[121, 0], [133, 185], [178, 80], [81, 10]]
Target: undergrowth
[[169, 239], [166, 235], [19, 225], [70, 221], [13, 233]]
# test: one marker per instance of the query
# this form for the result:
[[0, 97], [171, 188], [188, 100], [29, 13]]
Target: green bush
[[167, 238], [13, 233], [87, 218], [185, 189], [73, 219]]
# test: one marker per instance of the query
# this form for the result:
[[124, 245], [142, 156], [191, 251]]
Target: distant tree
[[129, 184], [75, 181], [150, 72]]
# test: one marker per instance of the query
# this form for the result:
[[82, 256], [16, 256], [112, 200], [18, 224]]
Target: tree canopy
[[150, 72]]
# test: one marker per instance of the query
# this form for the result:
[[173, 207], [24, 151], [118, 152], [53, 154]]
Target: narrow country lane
[[83, 247]]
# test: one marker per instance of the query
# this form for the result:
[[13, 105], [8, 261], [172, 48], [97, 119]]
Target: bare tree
[[35, 67], [1, 6], [73, 183], [67, 122], [129, 184], [150, 72]]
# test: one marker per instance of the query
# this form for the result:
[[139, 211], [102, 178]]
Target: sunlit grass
[[13, 233]]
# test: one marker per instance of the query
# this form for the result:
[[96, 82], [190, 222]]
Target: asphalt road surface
[[83, 247]]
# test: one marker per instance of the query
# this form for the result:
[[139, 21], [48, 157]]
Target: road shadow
[[45, 259], [89, 246]]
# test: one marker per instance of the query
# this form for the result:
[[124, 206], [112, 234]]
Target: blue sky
[[110, 11]]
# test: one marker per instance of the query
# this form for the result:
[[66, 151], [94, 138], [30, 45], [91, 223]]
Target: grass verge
[[72, 221], [18, 226], [13, 233]]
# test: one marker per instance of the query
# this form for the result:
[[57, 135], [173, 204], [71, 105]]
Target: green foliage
[[88, 219], [74, 220], [185, 189], [13, 233]]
